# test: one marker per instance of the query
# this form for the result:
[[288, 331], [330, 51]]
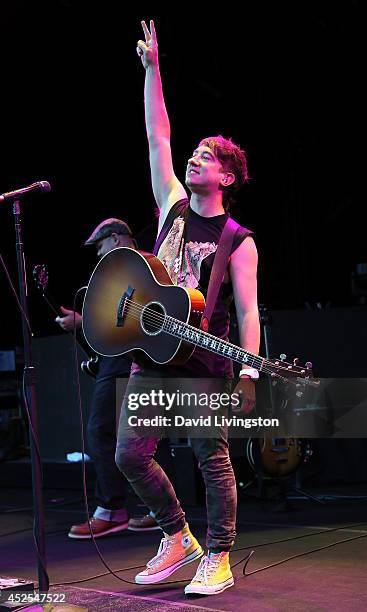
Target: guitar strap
[[218, 270]]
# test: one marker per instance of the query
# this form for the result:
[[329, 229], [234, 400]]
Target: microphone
[[19, 193]]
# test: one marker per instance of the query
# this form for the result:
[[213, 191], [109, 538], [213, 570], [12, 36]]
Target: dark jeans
[[101, 433], [134, 457]]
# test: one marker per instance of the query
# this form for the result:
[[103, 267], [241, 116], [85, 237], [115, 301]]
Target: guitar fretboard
[[191, 334]]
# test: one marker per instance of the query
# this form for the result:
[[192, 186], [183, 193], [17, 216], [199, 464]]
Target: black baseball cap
[[106, 228]]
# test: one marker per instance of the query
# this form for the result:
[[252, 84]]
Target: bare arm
[[243, 271], [167, 188]]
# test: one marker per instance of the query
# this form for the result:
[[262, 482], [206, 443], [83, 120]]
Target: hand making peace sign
[[148, 50]]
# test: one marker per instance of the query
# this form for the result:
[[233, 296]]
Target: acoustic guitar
[[131, 304]]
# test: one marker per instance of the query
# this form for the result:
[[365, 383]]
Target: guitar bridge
[[121, 309]]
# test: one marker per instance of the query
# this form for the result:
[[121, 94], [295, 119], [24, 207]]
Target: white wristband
[[251, 372]]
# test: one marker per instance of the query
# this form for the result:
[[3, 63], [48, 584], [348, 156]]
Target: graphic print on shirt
[[184, 273]]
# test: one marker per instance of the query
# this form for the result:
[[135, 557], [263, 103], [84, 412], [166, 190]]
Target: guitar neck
[[195, 336], [50, 303]]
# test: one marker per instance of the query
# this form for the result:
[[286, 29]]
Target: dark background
[[284, 80]]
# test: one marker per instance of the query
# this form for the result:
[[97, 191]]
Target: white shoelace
[[163, 550], [206, 569]]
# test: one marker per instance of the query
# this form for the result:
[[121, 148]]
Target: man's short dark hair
[[233, 159]]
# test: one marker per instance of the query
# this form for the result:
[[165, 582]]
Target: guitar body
[[282, 456], [128, 296], [279, 456]]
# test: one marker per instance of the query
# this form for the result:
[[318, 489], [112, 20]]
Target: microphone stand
[[29, 388]]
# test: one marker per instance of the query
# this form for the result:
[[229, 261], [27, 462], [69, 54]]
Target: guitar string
[[159, 323], [157, 320], [266, 370]]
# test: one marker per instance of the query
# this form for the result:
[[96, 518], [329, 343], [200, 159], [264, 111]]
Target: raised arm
[[167, 188]]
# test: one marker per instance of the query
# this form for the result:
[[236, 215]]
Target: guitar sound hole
[[152, 318]]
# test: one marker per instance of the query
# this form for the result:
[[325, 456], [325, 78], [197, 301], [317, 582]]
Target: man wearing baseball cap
[[111, 513], [108, 232]]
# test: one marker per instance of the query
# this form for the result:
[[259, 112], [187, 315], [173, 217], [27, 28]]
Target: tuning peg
[[296, 361], [308, 365], [282, 357]]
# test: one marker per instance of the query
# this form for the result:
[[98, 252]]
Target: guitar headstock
[[298, 375], [40, 277]]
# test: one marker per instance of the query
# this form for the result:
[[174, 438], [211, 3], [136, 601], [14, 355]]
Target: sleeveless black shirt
[[186, 245]]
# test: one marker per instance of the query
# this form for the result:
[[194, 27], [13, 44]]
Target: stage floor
[[330, 579]]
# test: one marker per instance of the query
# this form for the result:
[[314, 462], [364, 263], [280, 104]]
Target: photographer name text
[[212, 420]]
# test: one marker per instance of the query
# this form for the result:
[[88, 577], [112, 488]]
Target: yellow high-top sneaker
[[173, 552], [213, 575]]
